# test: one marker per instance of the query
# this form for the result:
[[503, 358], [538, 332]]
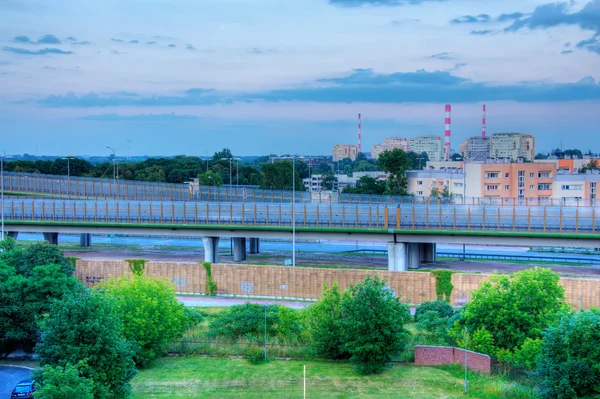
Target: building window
[[507, 175], [420, 193], [571, 187], [491, 187], [521, 194], [492, 175], [593, 190], [521, 179], [544, 175], [456, 184], [544, 186], [419, 182], [507, 187], [532, 187], [532, 175]]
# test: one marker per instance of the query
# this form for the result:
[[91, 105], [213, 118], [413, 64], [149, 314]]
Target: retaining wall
[[444, 355]]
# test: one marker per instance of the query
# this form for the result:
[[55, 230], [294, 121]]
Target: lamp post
[[230, 174], [68, 174], [293, 211], [115, 170], [2, 157]]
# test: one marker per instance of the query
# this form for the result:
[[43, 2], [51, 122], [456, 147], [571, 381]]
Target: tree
[[323, 167], [367, 185], [329, 181], [324, 327], [86, 327], [456, 157], [38, 254], [373, 324], [56, 382], [396, 162], [224, 153], [539, 155], [513, 308], [210, 178], [152, 316], [364, 166], [360, 157], [592, 165], [573, 153], [278, 176], [570, 355]]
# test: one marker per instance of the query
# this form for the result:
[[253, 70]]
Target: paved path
[[9, 377], [212, 301]]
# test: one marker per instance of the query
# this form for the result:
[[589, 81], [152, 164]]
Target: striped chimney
[[483, 122], [447, 134], [358, 150]]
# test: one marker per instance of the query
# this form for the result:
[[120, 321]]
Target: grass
[[192, 377]]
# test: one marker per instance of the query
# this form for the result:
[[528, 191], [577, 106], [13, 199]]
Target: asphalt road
[[9, 377]]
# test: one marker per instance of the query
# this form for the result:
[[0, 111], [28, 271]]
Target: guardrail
[[554, 259], [416, 217], [97, 188]]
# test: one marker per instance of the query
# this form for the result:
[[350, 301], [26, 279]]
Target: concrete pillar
[[397, 257], [211, 249], [239, 249], [254, 245], [413, 252], [428, 252], [13, 234], [52, 238], [85, 240]]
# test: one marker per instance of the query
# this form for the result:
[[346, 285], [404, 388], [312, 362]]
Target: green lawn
[[204, 377]]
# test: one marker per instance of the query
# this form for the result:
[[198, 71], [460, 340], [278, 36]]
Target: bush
[[443, 284], [568, 365], [57, 382], [39, 254], [442, 308], [152, 316], [256, 355]]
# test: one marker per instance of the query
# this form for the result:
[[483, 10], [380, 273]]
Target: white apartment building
[[343, 151], [432, 145], [376, 150], [313, 183], [422, 182], [512, 146], [475, 148]]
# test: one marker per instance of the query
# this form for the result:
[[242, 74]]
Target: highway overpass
[[411, 231]]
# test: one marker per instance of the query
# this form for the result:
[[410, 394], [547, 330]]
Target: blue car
[[24, 390]]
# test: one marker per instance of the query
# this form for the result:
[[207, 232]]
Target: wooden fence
[[307, 283]]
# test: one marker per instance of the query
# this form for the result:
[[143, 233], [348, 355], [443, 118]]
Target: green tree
[[323, 167], [364, 166], [539, 155], [86, 327], [592, 165], [152, 316], [224, 153], [373, 324], [418, 161], [57, 382], [278, 176], [396, 162], [367, 185], [515, 307], [329, 181], [38, 254], [324, 327], [569, 364], [210, 178], [456, 157]]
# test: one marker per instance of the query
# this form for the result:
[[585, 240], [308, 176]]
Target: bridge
[[411, 230]]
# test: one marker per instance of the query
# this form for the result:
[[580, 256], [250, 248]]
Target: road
[[407, 216], [9, 377]]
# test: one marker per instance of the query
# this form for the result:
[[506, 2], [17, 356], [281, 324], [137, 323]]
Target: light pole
[[293, 211], [466, 347], [115, 173], [68, 174], [2, 188], [230, 174]]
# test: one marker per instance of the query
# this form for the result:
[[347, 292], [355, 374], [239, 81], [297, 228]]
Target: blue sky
[[284, 76]]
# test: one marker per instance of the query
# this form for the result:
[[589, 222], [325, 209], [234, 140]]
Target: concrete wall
[[307, 283], [444, 355]]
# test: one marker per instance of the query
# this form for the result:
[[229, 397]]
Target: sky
[[167, 77]]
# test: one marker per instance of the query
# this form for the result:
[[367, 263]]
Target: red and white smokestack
[[447, 134], [483, 122], [358, 150]]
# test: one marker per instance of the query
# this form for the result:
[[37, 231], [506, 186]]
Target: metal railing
[[416, 217], [99, 188]]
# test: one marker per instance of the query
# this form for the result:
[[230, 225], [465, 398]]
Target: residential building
[[422, 182], [313, 183], [512, 146], [475, 149], [576, 186], [395, 142], [432, 145], [376, 150], [343, 151]]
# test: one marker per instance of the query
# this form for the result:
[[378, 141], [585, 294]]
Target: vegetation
[[329, 181], [443, 284], [441, 308], [56, 382], [151, 315], [36, 254], [84, 329], [367, 185], [396, 162], [137, 266], [211, 286], [278, 176]]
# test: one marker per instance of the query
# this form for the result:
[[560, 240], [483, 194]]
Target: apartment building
[[376, 150], [343, 151], [422, 182], [576, 186], [313, 183], [512, 146], [395, 142], [432, 145], [475, 148]]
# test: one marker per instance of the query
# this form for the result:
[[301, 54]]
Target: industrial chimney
[[358, 149], [483, 122], [447, 134]]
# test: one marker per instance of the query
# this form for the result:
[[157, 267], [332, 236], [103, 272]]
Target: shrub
[[211, 286], [442, 308], [443, 284], [256, 355], [57, 382]]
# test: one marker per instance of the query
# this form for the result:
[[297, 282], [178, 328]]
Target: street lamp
[[68, 174], [293, 211], [115, 171], [2, 157], [230, 176]]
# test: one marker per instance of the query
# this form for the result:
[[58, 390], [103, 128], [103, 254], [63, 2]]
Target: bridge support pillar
[[239, 249], [12, 234], [211, 249], [397, 257], [254, 245], [85, 240], [52, 238], [428, 252], [413, 255]]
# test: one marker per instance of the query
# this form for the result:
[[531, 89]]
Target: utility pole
[[2, 157], [68, 174]]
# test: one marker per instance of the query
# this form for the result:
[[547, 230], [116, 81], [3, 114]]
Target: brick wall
[[444, 355]]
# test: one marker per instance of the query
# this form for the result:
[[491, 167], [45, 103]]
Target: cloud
[[481, 32], [134, 41], [443, 56], [405, 21], [172, 117], [258, 50], [22, 39], [510, 17], [366, 77], [151, 42], [172, 45], [89, 100], [48, 39], [190, 47], [44, 51], [117, 40], [566, 51], [117, 52], [73, 40], [556, 14], [388, 3], [471, 19]]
